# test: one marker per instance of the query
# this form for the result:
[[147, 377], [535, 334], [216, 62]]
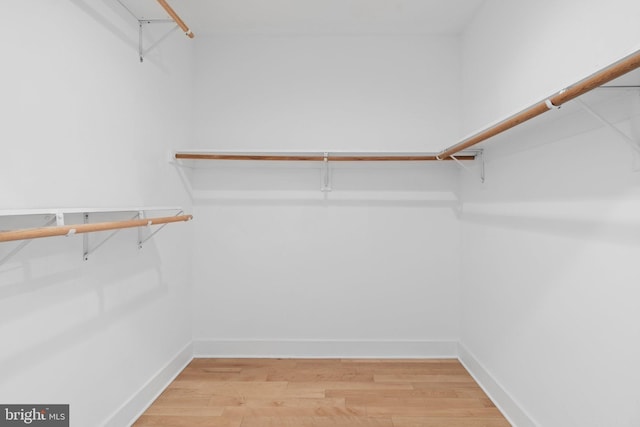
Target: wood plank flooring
[[323, 393]]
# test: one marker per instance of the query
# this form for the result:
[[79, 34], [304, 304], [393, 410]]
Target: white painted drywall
[[516, 53], [276, 264], [550, 242], [327, 93], [376, 260], [84, 124]]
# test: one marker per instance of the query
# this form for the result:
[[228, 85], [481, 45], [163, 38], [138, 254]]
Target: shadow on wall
[[55, 299], [280, 184], [128, 37], [553, 224], [621, 233]]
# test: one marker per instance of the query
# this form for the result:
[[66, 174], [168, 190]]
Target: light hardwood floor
[[323, 393]]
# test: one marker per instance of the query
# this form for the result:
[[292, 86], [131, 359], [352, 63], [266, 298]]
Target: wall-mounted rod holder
[[142, 52], [479, 157], [86, 250], [326, 174], [143, 240]]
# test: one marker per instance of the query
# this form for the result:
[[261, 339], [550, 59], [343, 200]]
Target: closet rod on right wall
[[597, 79]]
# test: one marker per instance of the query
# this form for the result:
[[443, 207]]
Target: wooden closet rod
[[598, 79], [176, 18], [68, 230], [318, 158]]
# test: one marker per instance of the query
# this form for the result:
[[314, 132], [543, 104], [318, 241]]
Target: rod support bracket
[[326, 174], [85, 238], [478, 158], [59, 219], [142, 51], [550, 105]]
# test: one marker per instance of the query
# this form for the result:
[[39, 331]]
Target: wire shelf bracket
[[141, 23], [479, 159], [175, 19], [325, 185]]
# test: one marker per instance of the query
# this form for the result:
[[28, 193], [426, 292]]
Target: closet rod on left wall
[[69, 230]]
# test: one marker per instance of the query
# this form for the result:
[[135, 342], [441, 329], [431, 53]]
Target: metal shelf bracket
[[326, 174], [141, 23], [141, 239], [86, 250], [175, 19], [479, 159], [54, 226]]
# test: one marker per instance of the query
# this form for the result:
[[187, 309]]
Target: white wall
[[322, 93], [84, 124], [550, 242], [516, 53], [369, 269]]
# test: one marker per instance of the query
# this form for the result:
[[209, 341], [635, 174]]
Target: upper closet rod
[[176, 18], [69, 230], [318, 158], [598, 79]]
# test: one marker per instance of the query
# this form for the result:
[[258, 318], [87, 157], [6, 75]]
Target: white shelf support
[[175, 19], [326, 174], [634, 144], [140, 236], [479, 158], [86, 250], [142, 241], [54, 225], [141, 23]]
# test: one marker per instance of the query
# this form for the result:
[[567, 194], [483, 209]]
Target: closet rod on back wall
[[318, 157], [597, 79]]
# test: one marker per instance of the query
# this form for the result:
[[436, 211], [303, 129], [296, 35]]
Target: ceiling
[[209, 17]]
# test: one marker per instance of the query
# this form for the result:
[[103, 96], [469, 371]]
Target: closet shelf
[[323, 158], [70, 211], [463, 149], [319, 157], [467, 149], [69, 230], [596, 80], [139, 220]]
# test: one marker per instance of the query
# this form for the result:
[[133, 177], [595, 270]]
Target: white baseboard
[[135, 406], [327, 349], [509, 407]]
